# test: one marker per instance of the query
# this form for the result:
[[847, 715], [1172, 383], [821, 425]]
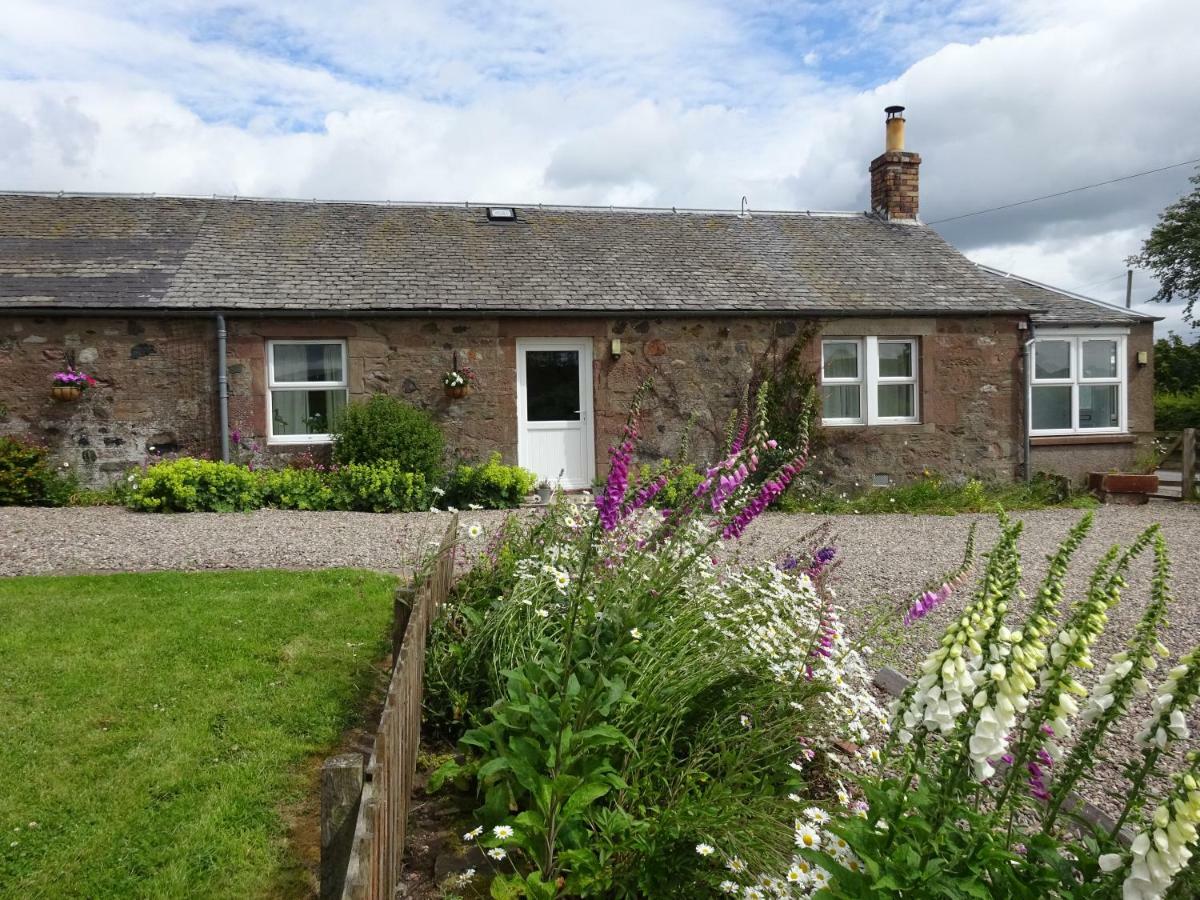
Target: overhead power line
[[1086, 187]]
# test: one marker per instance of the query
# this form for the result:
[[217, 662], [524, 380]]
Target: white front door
[[554, 410]]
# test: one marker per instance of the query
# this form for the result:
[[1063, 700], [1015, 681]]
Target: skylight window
[[501, 214]]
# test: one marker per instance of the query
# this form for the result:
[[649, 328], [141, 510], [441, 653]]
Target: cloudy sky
[[639, 102]]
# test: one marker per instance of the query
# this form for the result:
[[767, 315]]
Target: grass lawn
[[156, 728]]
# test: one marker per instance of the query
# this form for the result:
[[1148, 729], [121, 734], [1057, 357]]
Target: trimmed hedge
[[385, 429], [201, 485], [1174, 412]]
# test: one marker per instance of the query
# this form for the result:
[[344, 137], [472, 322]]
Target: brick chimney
[[894, 173]]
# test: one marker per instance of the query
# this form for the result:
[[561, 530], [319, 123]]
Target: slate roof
[[64, 251], [1059, 307]]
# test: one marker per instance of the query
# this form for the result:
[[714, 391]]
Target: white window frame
[[858, 381], [869, 379], [1076, 338], [273, 385]]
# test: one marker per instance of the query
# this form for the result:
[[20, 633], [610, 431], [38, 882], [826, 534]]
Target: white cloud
[[665, 103]]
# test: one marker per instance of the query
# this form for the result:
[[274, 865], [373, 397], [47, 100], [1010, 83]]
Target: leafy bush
[[297, 488], [28, 479], [200, 485], [631, 706], [1174, 412], [384, 487], [385, 429], [679, 482], [188, 484], [492, 485]]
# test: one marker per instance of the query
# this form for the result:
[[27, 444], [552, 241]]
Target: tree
[[1176, 365], [1172, 252]]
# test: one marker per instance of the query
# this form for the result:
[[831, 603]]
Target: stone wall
[[156, 388], [158, 384]]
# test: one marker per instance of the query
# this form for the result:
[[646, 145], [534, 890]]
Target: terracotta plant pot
[[66, 393], [1122, 487], [457, 393]]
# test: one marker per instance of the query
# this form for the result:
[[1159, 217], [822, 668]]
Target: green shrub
[[384, 429], [28, 479], [196, 485], [384, 487], [491, 484], [682, 481], [293, 488], [1174, 412]]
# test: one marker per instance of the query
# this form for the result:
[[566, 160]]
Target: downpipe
[[222, 388], [1027, 361]]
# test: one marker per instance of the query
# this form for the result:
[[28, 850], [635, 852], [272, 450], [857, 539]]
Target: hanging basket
[[66, 393], [458, 393]]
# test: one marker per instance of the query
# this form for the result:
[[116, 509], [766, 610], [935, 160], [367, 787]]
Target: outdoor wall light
[[1143, 358], [616, 348]]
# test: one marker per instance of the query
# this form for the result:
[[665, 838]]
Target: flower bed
[[639, 720]]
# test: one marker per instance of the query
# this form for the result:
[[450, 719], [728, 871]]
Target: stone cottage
[[270, 316]]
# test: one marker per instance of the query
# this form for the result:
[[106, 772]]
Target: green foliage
[[188, 484], [297, 488], [183, 711], [386, 429], [383, 487], [28, 479], [682, 481], [1174, 412], [200, 485], [607, 706], [1172, 251], [491, 485], [1176, 365], [933, 494]]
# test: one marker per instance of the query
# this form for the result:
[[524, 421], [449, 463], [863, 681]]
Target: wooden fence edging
[[369, 866], [895, 683]]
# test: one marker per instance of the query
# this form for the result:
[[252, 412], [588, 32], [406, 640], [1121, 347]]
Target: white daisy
[[473, 833], [497, 853], [817, 815], [635, 634], [705, 849], [729, 887], [807, 837], [474, 530], [503, 832], [736, 864]]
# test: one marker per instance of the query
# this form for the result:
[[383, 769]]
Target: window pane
[[308, 362], [841, 359], [1099, 359], [306, 412], [1099, 405], [1052, 359], [895, 360], [1052, 407], [552, 385], [897, 401], [841, 401]]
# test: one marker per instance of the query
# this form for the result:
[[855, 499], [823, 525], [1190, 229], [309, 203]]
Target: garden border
[[364, 808]]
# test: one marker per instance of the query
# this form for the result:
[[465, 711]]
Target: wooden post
[[341, 789], [402, 607], [1188, 487]]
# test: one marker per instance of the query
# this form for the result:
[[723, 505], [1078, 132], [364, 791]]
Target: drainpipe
[[222, 388], [1027, 360]]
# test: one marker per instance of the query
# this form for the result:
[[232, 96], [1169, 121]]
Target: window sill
[[1067, 440], [894, 427], [277, 442]]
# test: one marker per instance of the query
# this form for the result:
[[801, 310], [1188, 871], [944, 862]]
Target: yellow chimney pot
[[895, 129]]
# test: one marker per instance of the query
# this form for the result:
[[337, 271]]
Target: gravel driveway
[[886, 558]]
